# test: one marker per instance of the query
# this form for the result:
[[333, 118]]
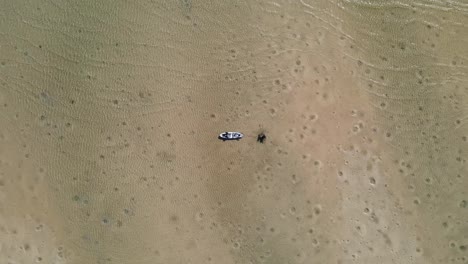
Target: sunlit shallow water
[[110, 114]]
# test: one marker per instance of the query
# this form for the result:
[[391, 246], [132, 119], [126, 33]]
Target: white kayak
[[230, 136]]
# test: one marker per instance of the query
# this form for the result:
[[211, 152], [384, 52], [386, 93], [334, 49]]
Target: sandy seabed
[[110, 112]]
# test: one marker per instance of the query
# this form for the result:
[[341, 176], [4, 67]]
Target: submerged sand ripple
[[110, 112]]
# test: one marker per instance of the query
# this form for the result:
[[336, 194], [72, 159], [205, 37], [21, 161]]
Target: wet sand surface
[[110, 112]]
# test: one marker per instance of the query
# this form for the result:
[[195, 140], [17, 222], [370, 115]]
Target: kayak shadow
[[228, 139]]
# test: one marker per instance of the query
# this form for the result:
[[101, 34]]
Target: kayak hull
[[230, 136]]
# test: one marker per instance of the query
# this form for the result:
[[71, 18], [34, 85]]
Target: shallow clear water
[[110, 113]]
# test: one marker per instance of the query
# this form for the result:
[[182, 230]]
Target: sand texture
[[110, 112]]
